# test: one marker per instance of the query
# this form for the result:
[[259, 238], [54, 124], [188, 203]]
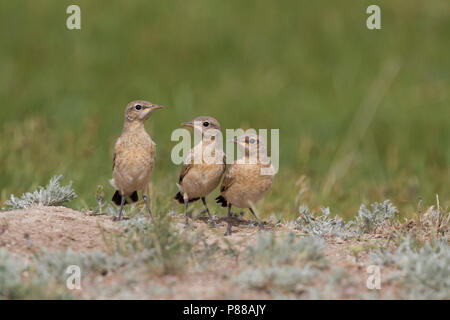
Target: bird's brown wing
[[228, 180], [153, 149], [117, 148], [184, 170]]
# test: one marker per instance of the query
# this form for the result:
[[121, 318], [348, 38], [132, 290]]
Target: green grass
[[311, 69]]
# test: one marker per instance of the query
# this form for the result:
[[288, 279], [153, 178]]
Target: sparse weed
[[43, 276], [100, 196], [368, 221], [322, 225], [282, 264], [284, 278], [52, 195], [436, 220], [89, 262], [336, 281], [424, 271], [287, 249], [164, 248], [20, 279]]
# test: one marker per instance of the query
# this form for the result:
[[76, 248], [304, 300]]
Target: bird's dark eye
[[206, 123], [138, 107], [252, 141]]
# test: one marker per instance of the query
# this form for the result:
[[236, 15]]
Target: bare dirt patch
[[52, 228]]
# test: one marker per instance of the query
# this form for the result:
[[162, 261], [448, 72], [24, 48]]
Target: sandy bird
[[248, 178], [134, 156], [204, 165]]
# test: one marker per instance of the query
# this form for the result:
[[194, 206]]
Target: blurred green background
[[363, 115]]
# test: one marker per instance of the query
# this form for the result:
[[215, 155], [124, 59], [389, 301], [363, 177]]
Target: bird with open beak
[[203, 166], [248, 179], [134, 156]]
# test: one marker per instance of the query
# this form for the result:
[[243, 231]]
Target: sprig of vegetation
[[43, 275], [424, 271], [336, 282], [164, 248], [287, 249], [282, 264], [285, 278], [369, 220], [52, 195], [55, 263], [323, 225], [20, 279]]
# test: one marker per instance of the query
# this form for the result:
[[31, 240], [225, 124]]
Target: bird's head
[[140, 110], [206, 126], [251, 144]]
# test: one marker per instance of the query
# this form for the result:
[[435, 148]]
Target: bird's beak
[[147, 111], [155, 106], [187, 124]]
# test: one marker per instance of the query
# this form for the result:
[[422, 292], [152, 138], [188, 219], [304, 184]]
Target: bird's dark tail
[[117, 198], [222, 201], [180, 199]]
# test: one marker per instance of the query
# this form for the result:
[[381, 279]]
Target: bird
[[134, 156], [203, 167], [248, 178]]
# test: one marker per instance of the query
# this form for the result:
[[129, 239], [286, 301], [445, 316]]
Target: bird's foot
[[261, 227], [211, 223], [120, 219]]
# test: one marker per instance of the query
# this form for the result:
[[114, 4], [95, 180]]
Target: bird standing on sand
[[204, 165], [134, 156], [248, 178]]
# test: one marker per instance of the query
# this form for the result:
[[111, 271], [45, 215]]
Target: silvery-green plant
[[323, 225], [283, 263], [287, 249], [335, 283], [160, 246], [424, 272], [10, 271], [290, 278], [369, 220], [22, 279], [43, 275], [52, 195], [54, 264]]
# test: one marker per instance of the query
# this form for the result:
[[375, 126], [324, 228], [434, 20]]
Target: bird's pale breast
[[202, 178], [248, 184], [134, 160]]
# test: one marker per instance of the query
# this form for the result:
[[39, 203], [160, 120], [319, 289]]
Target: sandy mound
[[53, 228], [60, 228]]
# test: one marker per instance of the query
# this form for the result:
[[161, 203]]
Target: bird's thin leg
[[148, 207], [122, 203], [211, 222], [186, 204], [260, 224], [206, 207], [228, 232]]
